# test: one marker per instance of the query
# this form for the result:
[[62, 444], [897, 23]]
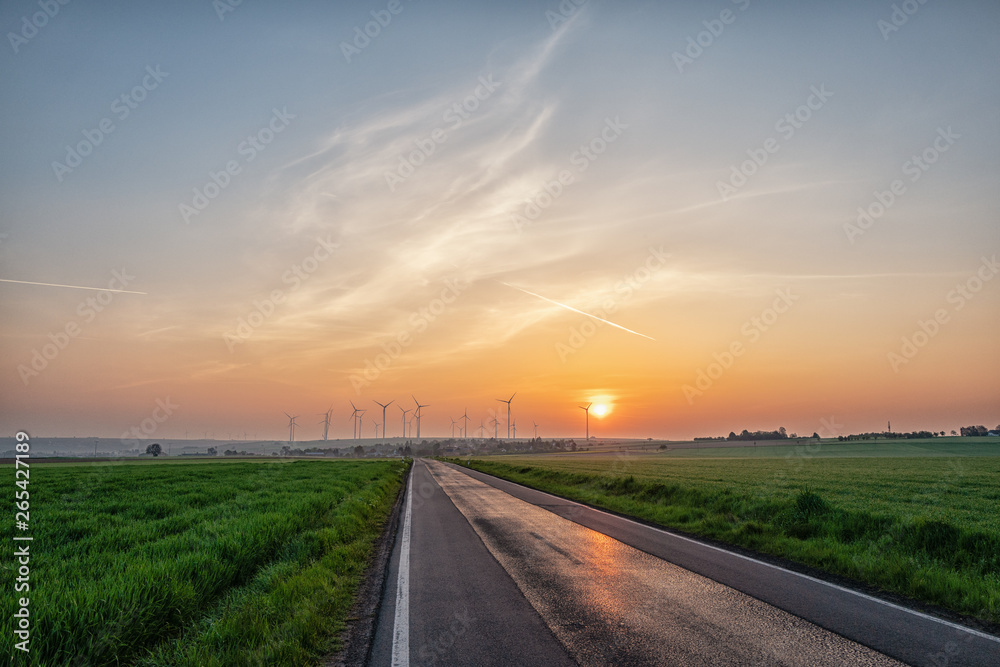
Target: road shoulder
[[357, 638]]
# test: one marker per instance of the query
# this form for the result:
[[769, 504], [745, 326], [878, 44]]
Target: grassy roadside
[[913, 527], [199, 564]]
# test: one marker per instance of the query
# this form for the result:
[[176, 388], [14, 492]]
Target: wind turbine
[[361, 414], [355, 415], [291, 427], [453, 422], [514, 426], [418, 413], [325, 423], [536, 427], [481, 428], [495, 422], [508, 410], [465, 429], [383, 416], [587, 410], [405, 412]]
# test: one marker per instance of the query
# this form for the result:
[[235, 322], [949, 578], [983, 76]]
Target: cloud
[[450, 217]]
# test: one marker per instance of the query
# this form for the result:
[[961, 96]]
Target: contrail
[[563, 305], [96, 289]]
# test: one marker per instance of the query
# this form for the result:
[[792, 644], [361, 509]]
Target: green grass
[[927, 528], [240, 563]]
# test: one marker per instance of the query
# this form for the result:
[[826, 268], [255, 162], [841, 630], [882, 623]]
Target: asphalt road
[[485, 572]]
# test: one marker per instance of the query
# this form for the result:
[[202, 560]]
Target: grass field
[[228, 563], [925, 527]]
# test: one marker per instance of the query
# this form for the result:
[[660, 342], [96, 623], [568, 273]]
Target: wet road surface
[[495, 579]]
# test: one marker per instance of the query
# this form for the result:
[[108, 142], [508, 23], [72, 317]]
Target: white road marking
[[401, 628]]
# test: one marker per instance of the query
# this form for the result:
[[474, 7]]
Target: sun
[[600, 409]]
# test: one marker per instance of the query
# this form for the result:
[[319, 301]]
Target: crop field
[[228, 563], [924, 527]]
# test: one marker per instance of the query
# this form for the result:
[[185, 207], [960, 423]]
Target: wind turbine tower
[[418, 413], [361, 416], [465, 428], [326, 424], [587, 410], [291, 427], [354, 419], [508, 410], [384, 406], [405, 412]]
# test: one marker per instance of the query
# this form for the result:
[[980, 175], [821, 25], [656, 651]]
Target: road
[[485, 572]]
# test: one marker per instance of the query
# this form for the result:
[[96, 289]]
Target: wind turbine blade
[[577, 310]]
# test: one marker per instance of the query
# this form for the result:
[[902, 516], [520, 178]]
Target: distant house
[[993, 433]]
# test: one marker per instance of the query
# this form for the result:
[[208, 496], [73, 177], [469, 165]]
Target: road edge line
[[401, 624]]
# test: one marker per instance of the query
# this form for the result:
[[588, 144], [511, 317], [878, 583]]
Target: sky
[[704, 216]]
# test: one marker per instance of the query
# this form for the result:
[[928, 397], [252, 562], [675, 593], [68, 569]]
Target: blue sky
[[346, 124]]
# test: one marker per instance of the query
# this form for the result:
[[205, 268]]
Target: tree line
[[780, 434]]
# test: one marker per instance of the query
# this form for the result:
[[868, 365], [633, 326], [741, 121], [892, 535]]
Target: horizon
[[213, 217]]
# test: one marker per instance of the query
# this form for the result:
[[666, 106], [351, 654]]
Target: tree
[[954, 432], [154, 449], [815, 436], [212, 451], [359, 451]]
